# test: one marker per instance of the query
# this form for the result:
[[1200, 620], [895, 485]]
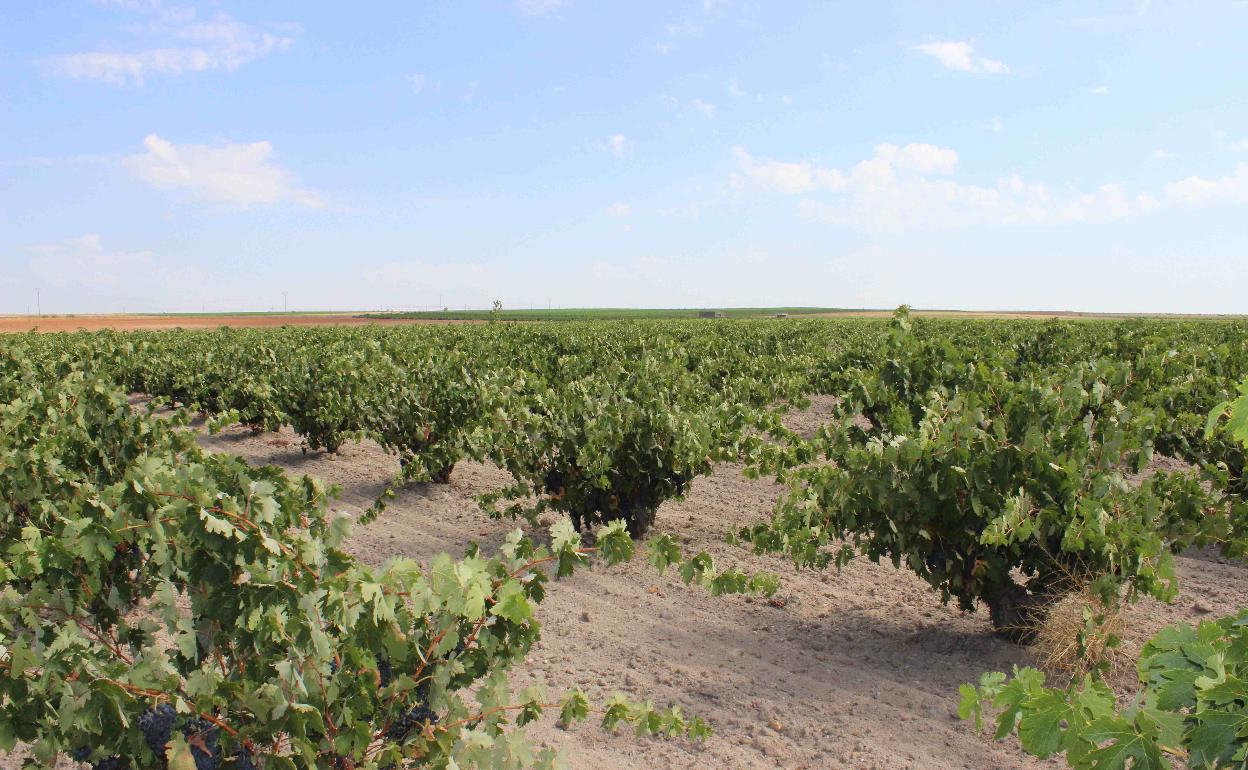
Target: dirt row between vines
[[850, 669], [856, 669]]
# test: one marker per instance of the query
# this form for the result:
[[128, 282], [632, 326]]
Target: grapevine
[[1192, 706]]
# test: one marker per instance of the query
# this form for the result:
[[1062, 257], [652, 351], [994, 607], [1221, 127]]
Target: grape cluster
[[209, 739], [554, 482], [81, 753], [401, 727], [386, 672], [935, 560], [244, 760], [156, 724]]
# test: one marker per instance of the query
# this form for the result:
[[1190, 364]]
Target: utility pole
[[284, 309], [38, 303]]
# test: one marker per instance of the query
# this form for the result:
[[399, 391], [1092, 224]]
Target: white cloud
[[734, 89], [995, 125], [182, 44], [1100, 90], [906, 186], [674, 31], [923, 158], [1085, 22], [683, 30], [1196, 190], [619, 210], [541, 7], [778, 176], [691, 211], [960, 56], [242, 174], [418, 82], [1160, 154], [84, 263], [618, 145], [702, 107], [1240, 146]]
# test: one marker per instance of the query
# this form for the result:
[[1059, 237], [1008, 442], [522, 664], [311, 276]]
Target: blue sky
[[161, 156]]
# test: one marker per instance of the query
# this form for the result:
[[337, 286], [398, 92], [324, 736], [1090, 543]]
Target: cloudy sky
[[159, 156]]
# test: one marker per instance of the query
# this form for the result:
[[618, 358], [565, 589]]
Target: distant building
[[710, 314]]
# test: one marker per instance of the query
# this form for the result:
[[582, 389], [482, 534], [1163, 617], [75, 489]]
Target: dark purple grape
[[208, 738], [417, 717], [156, 725], [244, 760]]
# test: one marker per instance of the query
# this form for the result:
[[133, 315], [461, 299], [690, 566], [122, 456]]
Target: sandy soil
[[856, 669], [70, 323]]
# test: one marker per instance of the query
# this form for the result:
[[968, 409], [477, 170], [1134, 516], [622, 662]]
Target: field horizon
[[135, 321]]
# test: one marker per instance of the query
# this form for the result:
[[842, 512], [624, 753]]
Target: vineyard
[[761, 542]]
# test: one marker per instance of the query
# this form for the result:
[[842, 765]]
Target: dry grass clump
[[1078, 633]]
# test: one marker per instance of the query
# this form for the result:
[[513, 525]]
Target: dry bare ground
[[851, 669], [856, 669]]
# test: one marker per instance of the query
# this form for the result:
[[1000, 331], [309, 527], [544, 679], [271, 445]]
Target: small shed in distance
[[710, 314]]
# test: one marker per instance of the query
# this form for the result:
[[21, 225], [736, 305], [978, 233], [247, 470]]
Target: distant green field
[[599, 314]]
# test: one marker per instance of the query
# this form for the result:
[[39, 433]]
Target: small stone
[[585, 617], [1202, 607]]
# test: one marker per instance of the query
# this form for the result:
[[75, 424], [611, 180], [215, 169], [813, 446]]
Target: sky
[[227, 156]]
